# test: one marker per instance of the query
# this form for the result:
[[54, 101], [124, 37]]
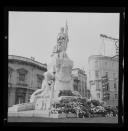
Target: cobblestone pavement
[[65, 120]]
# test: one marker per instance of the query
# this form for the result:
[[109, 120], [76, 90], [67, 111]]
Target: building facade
[[24, 77], [79, 81], [103, 79], [88, 94]]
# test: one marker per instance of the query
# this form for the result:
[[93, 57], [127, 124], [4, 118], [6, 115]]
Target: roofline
[[26, 60], [76, 69], [83, 72], [102, 56]]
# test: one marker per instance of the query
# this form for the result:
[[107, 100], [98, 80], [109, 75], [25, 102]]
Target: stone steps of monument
[[39, 113], [31, 113], [21, 107]]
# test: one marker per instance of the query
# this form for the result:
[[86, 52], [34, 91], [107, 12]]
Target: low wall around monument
[[39, 113], [21, 107]]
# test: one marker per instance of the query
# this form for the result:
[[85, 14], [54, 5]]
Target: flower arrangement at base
[[82, 108], [78, 107], [111, 111]]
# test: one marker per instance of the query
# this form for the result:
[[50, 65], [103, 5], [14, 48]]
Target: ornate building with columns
[[103, 78], [25, 75]]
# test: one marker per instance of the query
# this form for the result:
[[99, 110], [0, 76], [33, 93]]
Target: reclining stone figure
[[46, 87]]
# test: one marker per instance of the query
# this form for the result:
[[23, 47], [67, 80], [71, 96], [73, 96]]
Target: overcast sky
[[35, 33]]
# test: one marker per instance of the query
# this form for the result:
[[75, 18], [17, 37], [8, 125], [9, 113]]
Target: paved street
[[66, 120]]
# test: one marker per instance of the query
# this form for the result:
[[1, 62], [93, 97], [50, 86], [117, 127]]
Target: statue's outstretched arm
[[37, 92]]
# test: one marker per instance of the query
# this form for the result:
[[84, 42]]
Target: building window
[[106, 96], [20, 100], [39, 80], [115, 96], [115, 86], [92, 82], [107, 87], [98, 95], [75, 85], [22, 75], [97, 85], [20, 96], [9, 73], [97, 74]]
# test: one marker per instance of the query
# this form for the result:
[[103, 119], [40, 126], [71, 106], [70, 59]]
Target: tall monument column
[[61, 64]]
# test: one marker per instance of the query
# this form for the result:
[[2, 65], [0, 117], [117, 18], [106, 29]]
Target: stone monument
[[58, 76]]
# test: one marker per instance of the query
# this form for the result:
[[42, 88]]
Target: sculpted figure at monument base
[[42, 97]]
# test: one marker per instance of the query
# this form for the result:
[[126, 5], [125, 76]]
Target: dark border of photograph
[[80, 9]]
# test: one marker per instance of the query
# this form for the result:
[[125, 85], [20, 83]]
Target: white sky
[[35, 33]]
